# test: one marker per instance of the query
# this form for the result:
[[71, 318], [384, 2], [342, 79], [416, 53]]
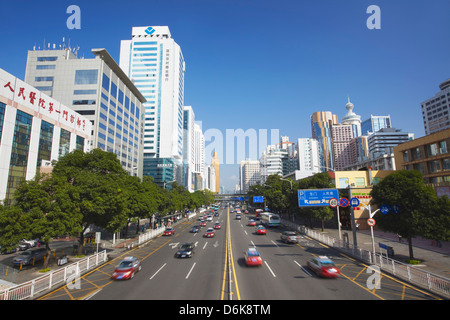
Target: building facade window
[[2, 118], [45, 143], [19, 153], [86, 76], [79, 143], [64, 143]]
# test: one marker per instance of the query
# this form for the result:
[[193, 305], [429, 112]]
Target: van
[[26, 257]]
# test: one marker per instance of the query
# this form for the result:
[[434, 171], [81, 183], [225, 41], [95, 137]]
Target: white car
[[209, 218]]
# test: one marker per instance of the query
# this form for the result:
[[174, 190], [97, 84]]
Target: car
[[210, 233], [245, 211], [209, 218], [217, 225], [203, 223], [169, 231], [186, 250], [252, 223], [289, 237], [324, 267], [127, 268], [252, 257], [29, 256], [195, 229], [261, 230], [27, 244], [238, 217]]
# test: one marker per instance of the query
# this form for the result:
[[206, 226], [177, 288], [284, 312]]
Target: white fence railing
[[431, 282], [31, 289]]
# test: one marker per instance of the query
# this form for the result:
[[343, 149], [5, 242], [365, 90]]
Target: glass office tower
[[155, 64]]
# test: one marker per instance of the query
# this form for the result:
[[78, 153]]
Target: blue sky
[[264, 64]]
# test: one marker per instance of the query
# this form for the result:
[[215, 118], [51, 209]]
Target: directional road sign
[[384, 209], [258, 199], [316, 197]]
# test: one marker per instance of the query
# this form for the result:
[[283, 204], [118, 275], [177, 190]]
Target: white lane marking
[[205, 244], [304, 270], [158, 271], [92, 294], [274, 243], [270, 269], [190, 270], [246, 232], [252, 243]]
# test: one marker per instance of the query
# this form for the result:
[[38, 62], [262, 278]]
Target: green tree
[[98, 184], [418, 203]]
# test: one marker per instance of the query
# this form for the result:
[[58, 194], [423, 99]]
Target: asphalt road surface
[[217, 271]]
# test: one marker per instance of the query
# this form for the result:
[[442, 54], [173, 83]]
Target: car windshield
[[327, 263], [252, 253], [185, 247], [26, 253], [125, 264]]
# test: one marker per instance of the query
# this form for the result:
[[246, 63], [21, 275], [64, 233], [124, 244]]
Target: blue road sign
[[382, 245], [354, 202], [343, 202], [384, 209], [258, 199], [316, 198], [395, 208]]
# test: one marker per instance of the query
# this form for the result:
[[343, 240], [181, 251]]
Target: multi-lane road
[[217, 271]]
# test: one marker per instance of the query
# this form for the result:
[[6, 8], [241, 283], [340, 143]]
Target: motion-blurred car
[[252, 257], [289, 237], [210, 233], [252, 223], [127, 268], [261, 230], [169, 231], [217, 225], [186, 250], [324, 267]]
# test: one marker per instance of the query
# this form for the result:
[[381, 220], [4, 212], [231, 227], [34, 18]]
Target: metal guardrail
[[427, 280], [31, 289]]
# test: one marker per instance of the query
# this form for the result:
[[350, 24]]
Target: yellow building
[[215, 162], [358, 184]]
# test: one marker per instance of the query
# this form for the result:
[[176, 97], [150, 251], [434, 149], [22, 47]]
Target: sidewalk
[[433, 259]]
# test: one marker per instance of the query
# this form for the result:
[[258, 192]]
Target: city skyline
[[255, 65]]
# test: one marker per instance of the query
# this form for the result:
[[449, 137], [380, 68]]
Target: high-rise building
[[189, 146], [155, 63], [199, 156], [321, 123], [249, 174], [271, 161], [35, 129], [375, 123], [352, 119], [99, 90], [435, 111], [215, 162]]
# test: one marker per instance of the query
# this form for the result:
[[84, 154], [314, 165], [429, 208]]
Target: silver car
[[289, 237], [26, 257]]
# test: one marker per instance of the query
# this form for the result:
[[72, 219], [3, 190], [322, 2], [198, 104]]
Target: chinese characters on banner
[[28, 96]]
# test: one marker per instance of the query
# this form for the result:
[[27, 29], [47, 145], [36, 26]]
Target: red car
[[169, 231], [127, 268], [217, 225], [252, 257], [261, 230], [210, 233], [203, 223], [252, 223], [324, 267]]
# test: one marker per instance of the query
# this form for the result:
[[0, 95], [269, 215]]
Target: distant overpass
[[231, 197]]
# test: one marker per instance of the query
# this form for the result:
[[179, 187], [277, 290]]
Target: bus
[[258, 212], [270, 219]]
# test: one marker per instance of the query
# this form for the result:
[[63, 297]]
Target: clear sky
[[258, 64]]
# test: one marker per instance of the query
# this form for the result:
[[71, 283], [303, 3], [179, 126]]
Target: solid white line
[[190, 270], [158, 271], [270, 269], [304, 270], [205, 245], [252, 243], [274, 243]]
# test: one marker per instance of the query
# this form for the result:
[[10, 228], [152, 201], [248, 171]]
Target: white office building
[[155, 64], [100, 91], [249, 174], [35, 129], [435, 110]]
